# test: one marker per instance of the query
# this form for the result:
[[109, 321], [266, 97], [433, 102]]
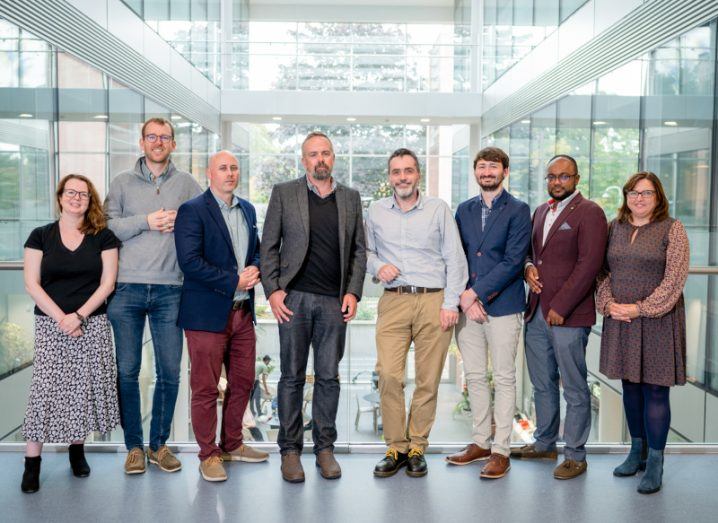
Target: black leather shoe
[[416, 465], [78, 463], [391, 463]]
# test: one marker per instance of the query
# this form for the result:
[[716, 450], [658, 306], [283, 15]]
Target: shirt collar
[[419, 204], [314, 189], [563, 203], [493, 201], [222, 204], [146, 170]]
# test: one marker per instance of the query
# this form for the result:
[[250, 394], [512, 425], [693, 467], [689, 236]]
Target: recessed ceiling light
[[277, 118], [670, 123], [175, 117], [25, 115], [425, 120], [100, 117], [525, 121], [599, 122], [351, 119]]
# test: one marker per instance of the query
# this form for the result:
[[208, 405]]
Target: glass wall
[[655, 113], [512, 28], [190, 26], [324, 56]]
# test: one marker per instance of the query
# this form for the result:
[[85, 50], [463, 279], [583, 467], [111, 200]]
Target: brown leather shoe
[[328, 466], [497, 467], [570, 469], [292, 470], [530, 452], [470, 453]]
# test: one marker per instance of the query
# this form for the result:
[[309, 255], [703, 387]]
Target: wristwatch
[[83, 320]]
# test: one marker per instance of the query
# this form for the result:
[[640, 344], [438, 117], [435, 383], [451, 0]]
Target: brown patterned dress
[[651, 273]]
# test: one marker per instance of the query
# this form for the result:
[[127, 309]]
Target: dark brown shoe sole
[[327, 476], [293, 480], [550, 456], [389, 473], [495, 476], [465, 462]]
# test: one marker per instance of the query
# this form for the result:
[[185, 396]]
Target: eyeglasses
[[643, 194], [164, 138], [72, 194], [562, 177]]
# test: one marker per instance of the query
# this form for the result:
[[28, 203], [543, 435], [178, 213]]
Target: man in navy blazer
[[218, 252], [495, 231]]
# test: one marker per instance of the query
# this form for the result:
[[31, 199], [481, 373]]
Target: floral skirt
[[74, 383]]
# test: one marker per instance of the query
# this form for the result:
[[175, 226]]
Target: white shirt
[[551, 215]]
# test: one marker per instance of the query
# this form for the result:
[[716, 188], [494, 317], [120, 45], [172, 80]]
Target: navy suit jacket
[[206, 257], [497, 254]]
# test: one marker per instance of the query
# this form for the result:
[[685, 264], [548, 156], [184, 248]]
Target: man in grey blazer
[[313, 262]]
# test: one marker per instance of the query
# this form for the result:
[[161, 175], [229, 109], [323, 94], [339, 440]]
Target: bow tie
[[553, 204]]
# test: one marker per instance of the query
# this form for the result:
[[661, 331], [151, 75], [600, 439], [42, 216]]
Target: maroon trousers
[[235, 347]]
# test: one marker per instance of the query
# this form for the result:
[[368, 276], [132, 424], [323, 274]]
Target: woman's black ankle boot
[[80, 467], [31, 476]]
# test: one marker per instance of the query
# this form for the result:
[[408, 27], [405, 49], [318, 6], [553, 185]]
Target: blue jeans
[[127, 310], [550, 351], [317, 321]]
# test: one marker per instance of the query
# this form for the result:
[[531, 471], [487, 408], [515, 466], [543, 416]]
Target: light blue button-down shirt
[[423, 243], [239, 232]]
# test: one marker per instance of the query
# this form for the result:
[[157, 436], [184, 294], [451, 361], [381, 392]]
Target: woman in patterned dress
[[70, 269], [643, 344]]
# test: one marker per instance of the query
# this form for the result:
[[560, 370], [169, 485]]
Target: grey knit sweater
[[147, 256]]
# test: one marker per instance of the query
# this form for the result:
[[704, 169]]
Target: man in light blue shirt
[[414, 249]]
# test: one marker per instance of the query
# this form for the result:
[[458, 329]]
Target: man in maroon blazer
[[567, 248]]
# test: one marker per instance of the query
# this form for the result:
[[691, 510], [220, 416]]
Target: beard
[[563, 195], [491, 186], [322, 172], [405, 192]]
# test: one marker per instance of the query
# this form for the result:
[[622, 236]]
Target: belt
[[412, 289], [240, 304]]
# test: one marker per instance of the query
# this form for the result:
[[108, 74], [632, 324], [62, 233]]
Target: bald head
[[223, 174]]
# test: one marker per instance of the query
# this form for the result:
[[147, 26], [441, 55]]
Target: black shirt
[[70, 277], [321, 271]]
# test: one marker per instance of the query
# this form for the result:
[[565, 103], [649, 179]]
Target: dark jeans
[[127, 310], [552, 350], [317, 321], [208, 351]]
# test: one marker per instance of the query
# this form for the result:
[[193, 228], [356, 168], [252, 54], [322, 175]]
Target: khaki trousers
[[403, 318], [498, 337]]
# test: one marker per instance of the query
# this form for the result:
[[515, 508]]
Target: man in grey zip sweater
[[141, 206]]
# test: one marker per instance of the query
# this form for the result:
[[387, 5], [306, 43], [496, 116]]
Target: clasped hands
[[70, 325], [248, 278], [623, 311], [163, 221]]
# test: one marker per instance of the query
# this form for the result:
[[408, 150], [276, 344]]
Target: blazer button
[[478, 253], [539, 262], [473, 275]]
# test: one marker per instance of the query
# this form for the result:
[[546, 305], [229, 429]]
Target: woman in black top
[[70, 270]]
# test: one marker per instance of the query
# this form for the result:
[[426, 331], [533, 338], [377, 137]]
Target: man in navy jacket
[[218, 252], [495, 231]]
